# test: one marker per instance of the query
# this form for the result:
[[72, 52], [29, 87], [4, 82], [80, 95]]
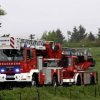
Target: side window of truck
[[29, 54]]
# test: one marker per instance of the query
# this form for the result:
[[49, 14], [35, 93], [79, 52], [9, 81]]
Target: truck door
[[31, 60]]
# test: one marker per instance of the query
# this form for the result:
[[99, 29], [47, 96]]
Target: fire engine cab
[[29, 61], [78, 66]]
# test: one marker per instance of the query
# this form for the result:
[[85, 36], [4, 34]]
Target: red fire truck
[[39, 62], [78, 66], [26, 61]]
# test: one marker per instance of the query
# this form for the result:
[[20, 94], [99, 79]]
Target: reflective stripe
[[12, 42]]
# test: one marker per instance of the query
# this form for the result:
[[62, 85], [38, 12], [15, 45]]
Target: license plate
[[9, 76]]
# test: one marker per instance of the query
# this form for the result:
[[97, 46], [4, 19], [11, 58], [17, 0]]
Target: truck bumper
[[23, 77]]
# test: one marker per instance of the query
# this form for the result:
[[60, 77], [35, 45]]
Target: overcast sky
[[25, 17]]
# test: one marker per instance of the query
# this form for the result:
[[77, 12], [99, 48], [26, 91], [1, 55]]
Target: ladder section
[[17, 43], [37, 44], [76, 51]]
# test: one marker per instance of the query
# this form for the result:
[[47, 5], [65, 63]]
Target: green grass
[[96, 55], [48, 93], [60, 93]]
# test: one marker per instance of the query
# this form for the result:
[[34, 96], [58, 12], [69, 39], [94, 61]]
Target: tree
[[2, 12], [78, 34], [5, 35], [59, 35], [82, 34], [49, 36], [98, 33], [44, 35], [74, 35], [91, 37], [55, 36]]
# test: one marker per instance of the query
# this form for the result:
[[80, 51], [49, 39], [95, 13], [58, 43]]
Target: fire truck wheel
[[35, 81], [78, 80], [54, 81], [92, 80]]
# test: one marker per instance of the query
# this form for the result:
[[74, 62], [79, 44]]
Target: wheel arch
[[76, 77]]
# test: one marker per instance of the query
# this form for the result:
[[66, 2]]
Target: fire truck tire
[[35, 81], [54, 81], [92, 80], [78, 80]]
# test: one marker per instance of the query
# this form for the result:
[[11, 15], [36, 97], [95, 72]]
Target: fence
[[40, 93]]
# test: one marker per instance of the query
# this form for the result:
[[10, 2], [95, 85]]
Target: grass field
[[59, 93]]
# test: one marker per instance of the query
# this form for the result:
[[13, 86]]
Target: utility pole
[[31, 37], [68, 34]]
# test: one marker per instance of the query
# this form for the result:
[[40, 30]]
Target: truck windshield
[[11, 55]]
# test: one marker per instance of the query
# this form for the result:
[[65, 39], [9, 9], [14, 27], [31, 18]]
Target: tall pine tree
[[91, 37], [60, 37], [74, 35], [82, 35], [78, 34]]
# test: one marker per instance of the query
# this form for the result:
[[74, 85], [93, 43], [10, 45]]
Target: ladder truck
[[29, 62], [78, 66], [51, 65]]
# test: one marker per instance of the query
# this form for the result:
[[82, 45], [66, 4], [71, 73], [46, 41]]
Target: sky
[[25, 17]]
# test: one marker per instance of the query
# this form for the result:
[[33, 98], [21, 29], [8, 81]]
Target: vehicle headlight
[[2, 70], [17, 69]]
